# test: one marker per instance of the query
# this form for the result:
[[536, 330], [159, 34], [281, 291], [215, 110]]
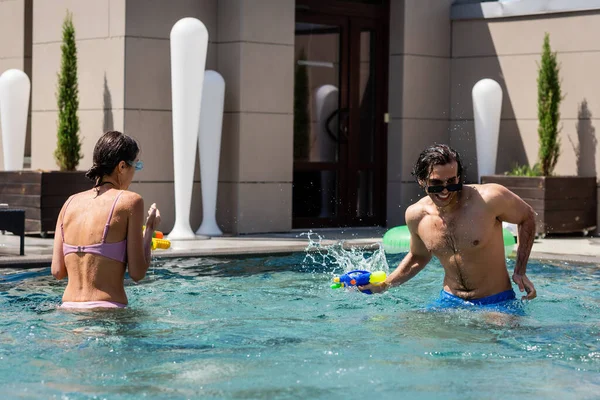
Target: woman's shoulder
[[130, 199]]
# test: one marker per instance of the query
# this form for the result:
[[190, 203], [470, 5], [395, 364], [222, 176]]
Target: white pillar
[[209, 145], [189, 44], [487, 106], [14, 107]]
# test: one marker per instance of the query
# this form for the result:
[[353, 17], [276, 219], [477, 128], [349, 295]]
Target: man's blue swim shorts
[[505, 302]]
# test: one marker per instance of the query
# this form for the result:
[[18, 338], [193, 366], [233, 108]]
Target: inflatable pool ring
[[510, 243], [397, 240]]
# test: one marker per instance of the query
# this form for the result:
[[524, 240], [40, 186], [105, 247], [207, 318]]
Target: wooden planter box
[[41, 194], [564, 204]]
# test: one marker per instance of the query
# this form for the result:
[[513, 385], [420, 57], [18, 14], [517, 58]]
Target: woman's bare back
[[94, 277]]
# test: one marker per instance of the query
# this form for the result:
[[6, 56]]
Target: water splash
[[336, 254]]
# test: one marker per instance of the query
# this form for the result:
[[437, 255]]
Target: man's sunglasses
[[454, 187], [138, 165]]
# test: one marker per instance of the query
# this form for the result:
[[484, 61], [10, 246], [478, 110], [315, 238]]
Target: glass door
[[367, 151], [339, 94], [321, 121]]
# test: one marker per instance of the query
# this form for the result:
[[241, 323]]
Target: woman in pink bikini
[[99, 231]]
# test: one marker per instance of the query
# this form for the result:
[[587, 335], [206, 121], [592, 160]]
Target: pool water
[[270, 327]]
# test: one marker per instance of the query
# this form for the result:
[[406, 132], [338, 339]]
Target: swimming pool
[[270, 327]]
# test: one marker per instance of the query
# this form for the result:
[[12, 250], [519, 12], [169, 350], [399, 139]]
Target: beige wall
[[124, 84], [254, 53], [99, 29], [507, 50], [147, 96], [517, 44], [419, 92], [15, 48], [255, 56], [124, 76]]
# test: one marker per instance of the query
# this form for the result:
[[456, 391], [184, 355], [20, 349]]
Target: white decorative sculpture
[[189, 44], [14, 107], [487, 106], [209, 145], [326, 103]]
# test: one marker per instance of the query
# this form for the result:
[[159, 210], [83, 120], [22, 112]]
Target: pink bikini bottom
[[92, 304]]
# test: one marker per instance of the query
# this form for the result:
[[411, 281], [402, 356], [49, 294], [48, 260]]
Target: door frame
[[348, 14], [346, 8]]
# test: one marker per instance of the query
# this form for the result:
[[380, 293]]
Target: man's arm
[[416, 259], [509, 207]]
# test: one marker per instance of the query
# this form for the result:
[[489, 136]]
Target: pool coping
[[266, 247], [258, 248]]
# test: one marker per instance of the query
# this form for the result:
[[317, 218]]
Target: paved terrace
[[38, 251]]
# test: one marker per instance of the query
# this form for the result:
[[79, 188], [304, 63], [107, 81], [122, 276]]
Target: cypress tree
[[549, 98], [68, 150]]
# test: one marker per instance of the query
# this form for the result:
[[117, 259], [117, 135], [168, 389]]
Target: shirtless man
[[462, 227]]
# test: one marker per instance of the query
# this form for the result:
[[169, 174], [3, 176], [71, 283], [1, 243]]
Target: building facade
[[328, 102]]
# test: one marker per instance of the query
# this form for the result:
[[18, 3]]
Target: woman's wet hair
[[437, 154], [112, 148]]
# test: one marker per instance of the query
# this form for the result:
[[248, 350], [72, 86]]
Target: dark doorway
[[340, 100]]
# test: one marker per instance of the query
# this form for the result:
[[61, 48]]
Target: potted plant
[[42, 193], [563, 204]]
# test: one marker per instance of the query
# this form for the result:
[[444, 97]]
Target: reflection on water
[[270, 327]]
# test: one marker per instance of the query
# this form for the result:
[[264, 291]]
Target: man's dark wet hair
[[437, 154], [112, 148]]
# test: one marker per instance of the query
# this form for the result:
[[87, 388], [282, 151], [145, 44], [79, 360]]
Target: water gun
[[160, 243], [358, 278], [158, 240]]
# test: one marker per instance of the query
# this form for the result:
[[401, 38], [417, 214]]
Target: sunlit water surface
[[271, 327]]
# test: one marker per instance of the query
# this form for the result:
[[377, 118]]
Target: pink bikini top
[[115, 251]]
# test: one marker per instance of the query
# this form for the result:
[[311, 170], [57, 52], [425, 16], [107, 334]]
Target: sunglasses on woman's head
[[138, 165], [453, 187]]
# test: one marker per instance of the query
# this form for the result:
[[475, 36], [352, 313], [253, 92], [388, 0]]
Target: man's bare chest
[[463, 233]]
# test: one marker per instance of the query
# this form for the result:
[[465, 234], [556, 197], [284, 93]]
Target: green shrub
[[68, 150], [524, 170], [549, 98]]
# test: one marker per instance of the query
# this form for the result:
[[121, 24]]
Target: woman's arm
[[139, 243], [58, 268]]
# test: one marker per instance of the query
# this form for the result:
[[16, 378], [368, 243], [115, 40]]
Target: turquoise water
[[270, 327]]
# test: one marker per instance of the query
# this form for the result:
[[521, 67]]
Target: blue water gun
[[358, 278]]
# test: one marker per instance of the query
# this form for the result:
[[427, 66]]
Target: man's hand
[[375, 287], [525, 285]]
